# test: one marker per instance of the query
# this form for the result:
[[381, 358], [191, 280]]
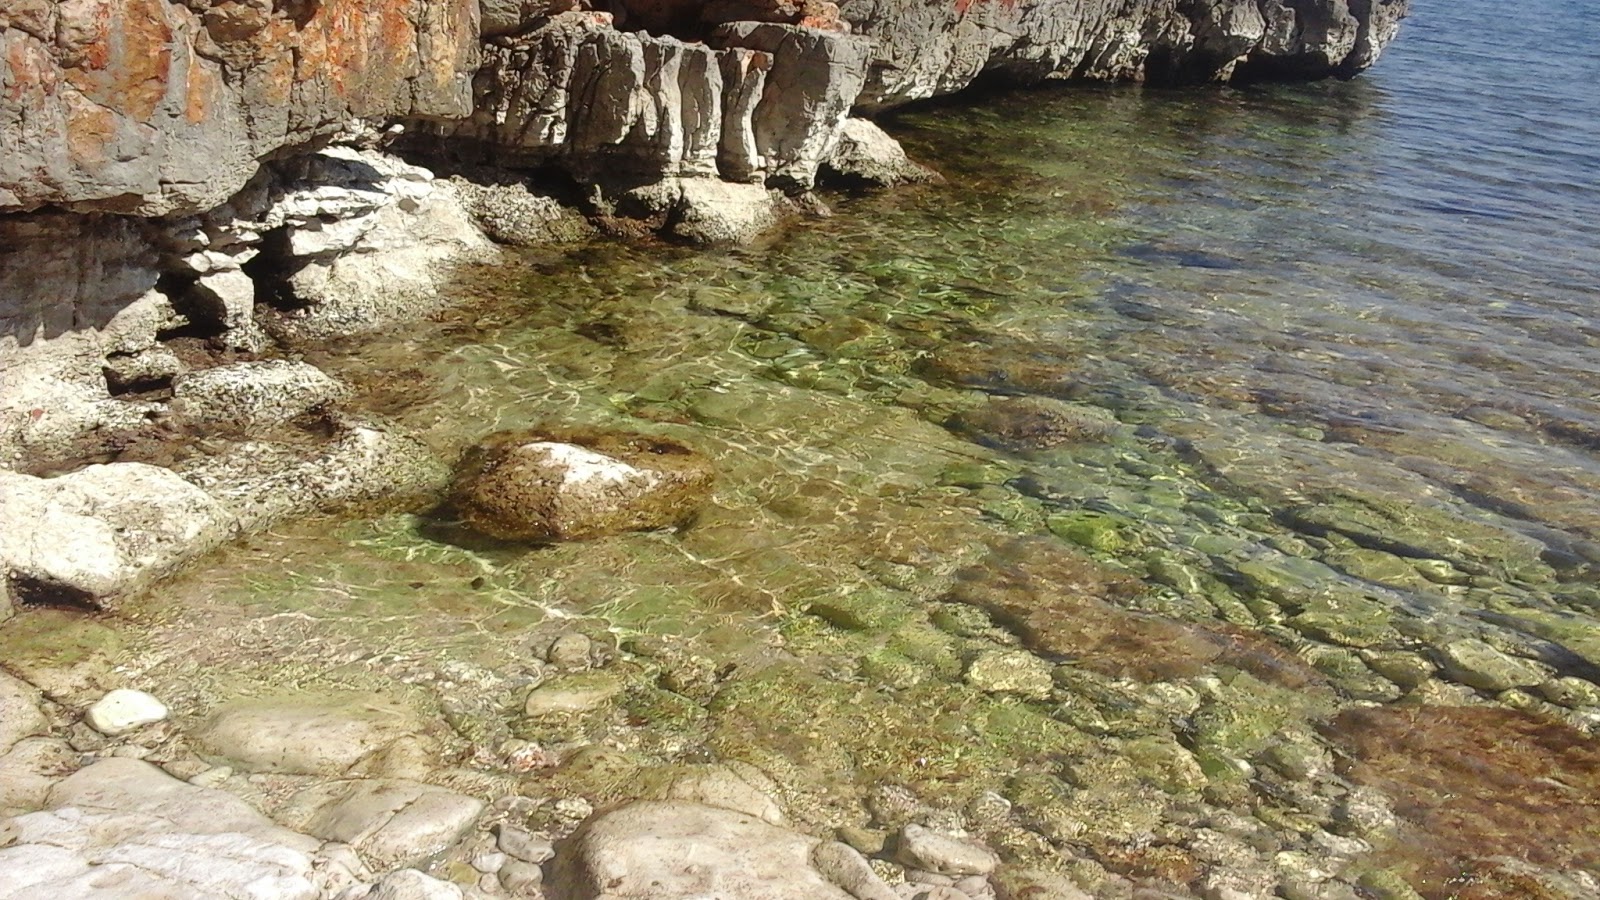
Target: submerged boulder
[[1035, 423], [576, 484]]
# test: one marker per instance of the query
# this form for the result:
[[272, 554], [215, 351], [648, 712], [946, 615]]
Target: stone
[[370, 241], [721, 213], [254, 394], [1011, 672], [168, 108], [308, 735], [555, 484], [122, 828], [866, 154], [735, 786], [1034, 884], [21, 712], [676, 851], [523, 845], [30, 769], [1476, 664], [363, 462], [924, 848], [390, 823], [521, 879], [512, 212], [227, 298], [101, 531], [570, 651], [572, 694], [141, 370], [843, 866], [124, 710]]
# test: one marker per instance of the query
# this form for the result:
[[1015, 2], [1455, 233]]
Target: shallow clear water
[[1341, 346]]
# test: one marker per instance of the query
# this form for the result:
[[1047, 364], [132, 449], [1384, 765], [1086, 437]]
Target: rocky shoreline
[[199, 197]]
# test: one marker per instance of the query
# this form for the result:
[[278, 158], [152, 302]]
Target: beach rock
[[1034, 884], [362, 462], [720, 213], [390, 823], [122, 828], [101, 531], [156, 108], [1011, 672], [1474, 663], [924, 848], [1035, 423], [651, 850], [577, 484], [866, 154], [21, 712], [509, 211], [30, 769], [572, 694], [842, 865], [734, 786], [309, 735], [254, 394], [123, 710]]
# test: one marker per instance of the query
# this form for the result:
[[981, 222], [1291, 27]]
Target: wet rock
[[575, 484], [570, 651], [390, 823], [572, 694], [1011, 672], [721, 213], [101, 531], [735, 786], [866, 154], [123, 828], [924, 848], [123, 710], [1035, 423], [309, 735], [1033, 884], [676, 851], [254, 394], [21, 712], [1473, 662]]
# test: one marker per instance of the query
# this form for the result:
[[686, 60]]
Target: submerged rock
[[313, 735], [389, 822], [866, 154], [577, 484], [1035, 423], [651, 850]]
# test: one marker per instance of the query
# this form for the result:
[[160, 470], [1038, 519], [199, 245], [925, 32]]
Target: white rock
[[124, 710], [410, 884], [102, 530], [21, 714], [924, 848], [307, 735], [389, 822]]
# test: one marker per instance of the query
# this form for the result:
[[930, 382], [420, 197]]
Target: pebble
[[124, 710], [489, 863], [923, 848]]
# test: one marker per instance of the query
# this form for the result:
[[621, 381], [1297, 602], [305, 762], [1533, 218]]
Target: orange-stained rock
[[147, 107]]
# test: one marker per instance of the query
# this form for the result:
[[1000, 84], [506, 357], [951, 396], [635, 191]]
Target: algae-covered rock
[[561, 484], [1034, 423], [1475, 663], [1011, 672]]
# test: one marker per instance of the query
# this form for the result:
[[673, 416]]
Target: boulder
[[559, 484], [101, 531], [676, 851], [866, 154]]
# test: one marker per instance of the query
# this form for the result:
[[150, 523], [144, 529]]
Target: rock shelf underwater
[[1063, 509]]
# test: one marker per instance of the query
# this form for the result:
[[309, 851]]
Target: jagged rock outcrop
[[153, 107], [925, 50]]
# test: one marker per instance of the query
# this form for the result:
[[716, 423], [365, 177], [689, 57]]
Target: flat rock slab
[[300, 735], [123, 828], [391, 823], [677, 851]]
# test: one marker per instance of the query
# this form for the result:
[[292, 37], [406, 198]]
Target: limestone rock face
[[573, 484], [101, 531], [152, 107], [923, 50], [676, 851]]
